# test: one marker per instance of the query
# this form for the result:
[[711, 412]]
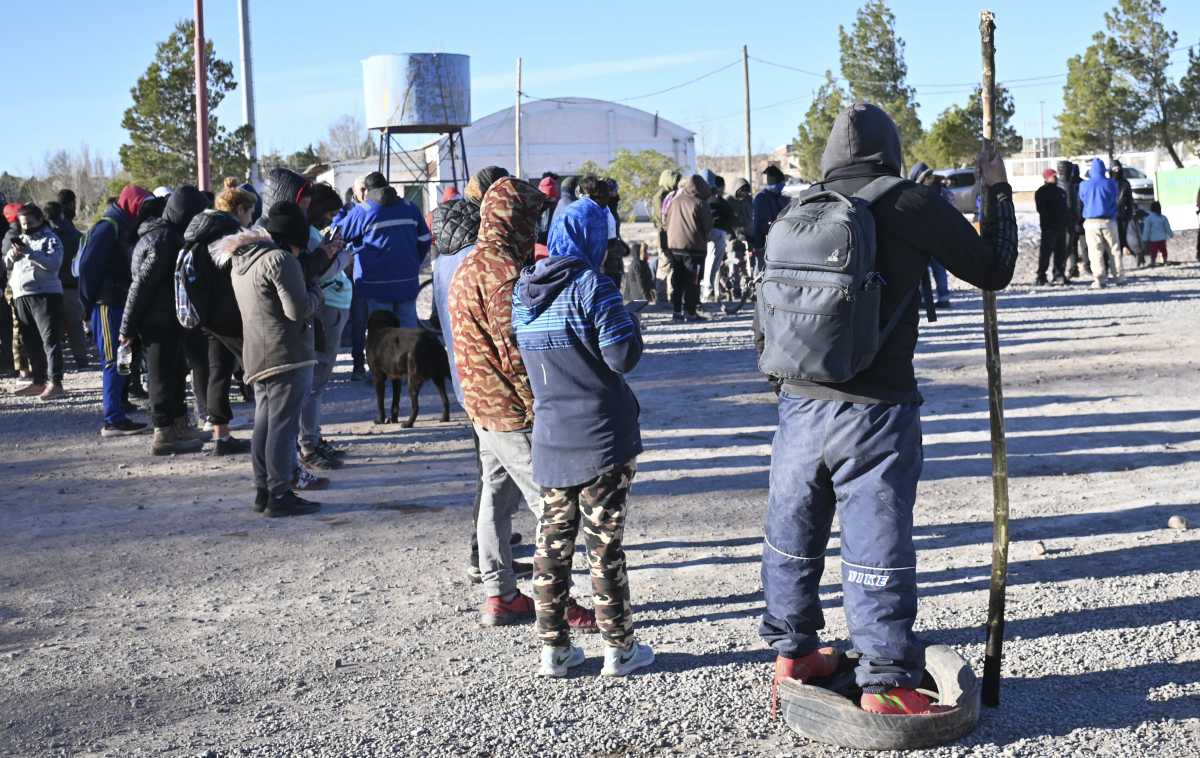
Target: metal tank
[[417, 92]]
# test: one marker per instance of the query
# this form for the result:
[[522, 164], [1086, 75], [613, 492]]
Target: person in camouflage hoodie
[[496, 390]]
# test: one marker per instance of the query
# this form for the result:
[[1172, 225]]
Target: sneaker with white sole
[[618, 662], [556, 661]]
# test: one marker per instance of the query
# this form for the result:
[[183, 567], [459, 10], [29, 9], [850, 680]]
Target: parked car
[[795, 187], [961, 183], [1142, 185]]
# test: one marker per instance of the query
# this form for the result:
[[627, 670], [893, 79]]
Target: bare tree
[[347, 139]]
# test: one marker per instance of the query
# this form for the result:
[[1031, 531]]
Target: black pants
[[1122, 228], [195, 353], [222, 361], [6, 326], [167, 372], [685, 280], [1054, 248], [41, 320]]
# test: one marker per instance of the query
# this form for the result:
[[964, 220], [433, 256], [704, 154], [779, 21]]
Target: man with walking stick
[[849, 436]]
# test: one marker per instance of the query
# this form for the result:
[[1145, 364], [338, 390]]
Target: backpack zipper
[[847, 295]]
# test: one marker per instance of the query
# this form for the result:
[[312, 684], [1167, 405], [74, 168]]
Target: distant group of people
[[1100, 211]]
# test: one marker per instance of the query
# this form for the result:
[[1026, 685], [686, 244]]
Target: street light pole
[[201, 73]]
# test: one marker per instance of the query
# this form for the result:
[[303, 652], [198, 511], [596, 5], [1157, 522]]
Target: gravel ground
[[145, 610]]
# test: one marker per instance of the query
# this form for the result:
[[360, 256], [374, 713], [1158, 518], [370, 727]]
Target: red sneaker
[[496, 612], [818, 663], [581, 619], [897, 701]]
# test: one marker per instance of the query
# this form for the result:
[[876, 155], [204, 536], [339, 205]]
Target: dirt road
[[145, 610]]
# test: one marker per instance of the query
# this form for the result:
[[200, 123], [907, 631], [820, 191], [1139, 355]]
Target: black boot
[[290, 504], [262, 496]]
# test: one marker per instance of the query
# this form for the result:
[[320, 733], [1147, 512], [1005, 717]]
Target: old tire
[[821, 714]]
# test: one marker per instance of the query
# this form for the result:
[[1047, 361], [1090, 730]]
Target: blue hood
[[1098, 195], [1098, 169], [578, 240]]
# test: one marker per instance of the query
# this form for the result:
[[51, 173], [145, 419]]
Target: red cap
[[10, 212], [131, 198], [549, 187], [449, 193], [1049, 173]]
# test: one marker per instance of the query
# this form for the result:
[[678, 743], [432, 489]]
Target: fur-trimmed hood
[[242, 243]]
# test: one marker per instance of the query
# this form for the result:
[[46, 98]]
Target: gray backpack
[[818, 304]]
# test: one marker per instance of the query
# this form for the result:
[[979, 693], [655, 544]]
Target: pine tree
[[162, 120], [872, 59], [828, 101], [1100, 109]]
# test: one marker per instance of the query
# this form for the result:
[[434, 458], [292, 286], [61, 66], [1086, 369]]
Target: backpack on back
[[194, 275], [819, 301]]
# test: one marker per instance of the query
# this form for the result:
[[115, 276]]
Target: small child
[[1156, 230]]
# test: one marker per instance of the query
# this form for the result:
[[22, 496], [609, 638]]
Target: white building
[[557, 135]]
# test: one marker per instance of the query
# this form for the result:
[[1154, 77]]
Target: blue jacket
[[767, 204], [390, 239], [444, 268], [1156, 228], [1099, 193], [105, 259], [577, 340]]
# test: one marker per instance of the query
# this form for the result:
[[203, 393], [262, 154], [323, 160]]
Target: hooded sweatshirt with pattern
[[275, 302], [495, 387], [577, 340]]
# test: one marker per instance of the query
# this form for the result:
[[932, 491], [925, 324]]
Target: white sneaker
[[557, 660], [619, 662]]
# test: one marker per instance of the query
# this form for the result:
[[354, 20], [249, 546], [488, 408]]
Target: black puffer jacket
[[454, 225], [150, 305], [206, 228], [281, 184]]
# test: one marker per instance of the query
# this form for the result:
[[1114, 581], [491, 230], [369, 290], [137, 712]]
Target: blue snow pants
[[863, 462]]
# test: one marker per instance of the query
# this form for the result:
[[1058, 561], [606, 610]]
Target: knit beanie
[[287, 224]]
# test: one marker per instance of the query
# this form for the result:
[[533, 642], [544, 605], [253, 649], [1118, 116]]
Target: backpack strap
[[894, 321], [878, 187]]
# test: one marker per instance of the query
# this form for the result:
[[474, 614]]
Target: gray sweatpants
[[333, 322], [277, 403], [506, 459]]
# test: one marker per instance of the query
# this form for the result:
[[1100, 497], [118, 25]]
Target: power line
[[569, 100]]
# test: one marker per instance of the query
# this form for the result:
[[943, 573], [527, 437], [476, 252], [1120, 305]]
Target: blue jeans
[[405, 310], [106, 323], [863, 462], [940, 279]]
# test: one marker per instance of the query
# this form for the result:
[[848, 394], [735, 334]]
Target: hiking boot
[[186, 432], [167, 442], [262, 496], [315, 459], [327, 449], [53, 391], [307, 481], [230, 446], [897, 701], [30, 390], [557, 660], [498, 612], [818, 663], [619, 662], [123, 428], [520, 569], [289, 504], [581, 619]]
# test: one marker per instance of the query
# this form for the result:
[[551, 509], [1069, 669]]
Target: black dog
[[397, 354]]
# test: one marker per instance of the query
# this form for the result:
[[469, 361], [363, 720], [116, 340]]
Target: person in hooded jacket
[[1069, 176], [104, 277], [854, 448], [1125, 209], [390, 240], [768, 204], [568, 193], [456, 229], [33, 258], [725, 223], [577, 340], [495, 389], [689, 222], [1098, 198], [668, 182], [277, 303], [149, 314], [12, 228], [60, 214], [234, 211]]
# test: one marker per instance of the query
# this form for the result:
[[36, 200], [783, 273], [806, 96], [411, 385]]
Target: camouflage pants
[[20, 360], [601, 503]]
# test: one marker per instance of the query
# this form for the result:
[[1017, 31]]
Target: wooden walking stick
[[995, 620]]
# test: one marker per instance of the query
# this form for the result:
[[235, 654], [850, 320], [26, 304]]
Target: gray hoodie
[[275, 302], [36, 271]]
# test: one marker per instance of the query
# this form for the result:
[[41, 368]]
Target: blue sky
[[82, 63]]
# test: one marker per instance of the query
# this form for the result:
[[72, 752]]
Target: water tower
[[419, 93]]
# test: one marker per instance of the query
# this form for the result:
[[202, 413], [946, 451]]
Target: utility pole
[[994, 649], [746, 82], [201, 72], [1042, 111], [517, 136], [248, 89]]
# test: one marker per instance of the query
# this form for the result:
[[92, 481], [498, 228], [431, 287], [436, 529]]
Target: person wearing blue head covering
[[577, 341]]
